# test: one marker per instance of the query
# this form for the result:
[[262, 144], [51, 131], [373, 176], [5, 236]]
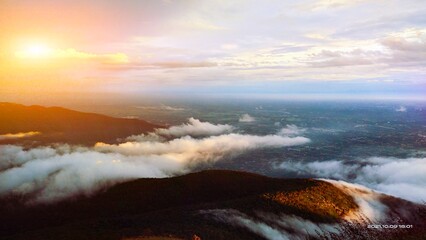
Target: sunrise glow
[[35, 50], [166, 46]]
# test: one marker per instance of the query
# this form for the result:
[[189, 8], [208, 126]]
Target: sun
[[35, 50]]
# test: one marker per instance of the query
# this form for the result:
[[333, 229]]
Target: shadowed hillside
[[56, 124], [174, 207]]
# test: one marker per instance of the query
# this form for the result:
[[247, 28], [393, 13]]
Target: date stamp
[[389, 226]]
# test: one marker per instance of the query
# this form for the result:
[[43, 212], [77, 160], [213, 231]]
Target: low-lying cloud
[[291, 130], [368, 201], [401, 177], [401, 109], [195, 128], [9, 136], [271, 226], [53, 173], [161, 107], [246, 118], [282, 226]]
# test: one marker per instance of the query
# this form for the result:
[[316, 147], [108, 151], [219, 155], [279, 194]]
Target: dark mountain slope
[[174, 207], [57, 124]]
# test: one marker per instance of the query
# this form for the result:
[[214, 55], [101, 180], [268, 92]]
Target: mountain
[[212, 204], [37, 125]]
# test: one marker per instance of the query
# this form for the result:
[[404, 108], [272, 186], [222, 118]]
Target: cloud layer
[[54, 173], [269, 225], [401, 177]]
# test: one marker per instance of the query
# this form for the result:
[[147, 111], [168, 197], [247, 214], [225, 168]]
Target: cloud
[[291, 130], [14, 156], [409, 40], [161, 107], [195, 128], [401, 109], [230, 45], [246, 118], [271, 226], [73, 54], [149, 137], [408, 47], [8, 136], [48, 174], [368, 201], [179, 64], [405, 48], [340, 58], [103, 58], [210, 148], [237, 218], [193, 23], [327, 4], [401, 177]]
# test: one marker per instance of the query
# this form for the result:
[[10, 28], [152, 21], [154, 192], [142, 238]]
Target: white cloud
[[237, 218], [246, 118], [195, 128], [186, 148], [14, 156], [291, 130], [401, 109], [271, 226], [149, 137], [55, 173], [401, 177]]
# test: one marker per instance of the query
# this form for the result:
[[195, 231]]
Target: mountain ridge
[[62, 125]]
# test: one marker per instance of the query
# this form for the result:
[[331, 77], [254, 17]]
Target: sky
[[269, 48]]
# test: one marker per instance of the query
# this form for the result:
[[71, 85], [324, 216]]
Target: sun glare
[[35, 50]]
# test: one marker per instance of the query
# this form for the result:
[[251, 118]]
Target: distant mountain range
[[214, 204], [37, 125]]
